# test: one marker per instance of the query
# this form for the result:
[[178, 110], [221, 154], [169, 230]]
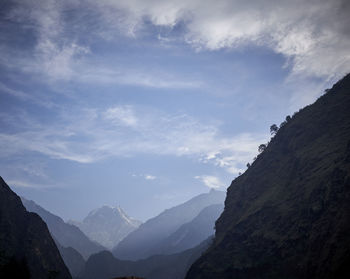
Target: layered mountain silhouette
[[27, 249], [105, 266], [150, 238], [192, 233], [288, 215], [67, 235], [107, 225], [73, 260]]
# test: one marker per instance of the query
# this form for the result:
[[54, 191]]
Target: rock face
[[107, 225], [66, 235], [148, 239], [27, 249], [288, 215]]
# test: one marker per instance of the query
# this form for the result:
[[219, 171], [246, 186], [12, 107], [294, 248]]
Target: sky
[[145, 104]]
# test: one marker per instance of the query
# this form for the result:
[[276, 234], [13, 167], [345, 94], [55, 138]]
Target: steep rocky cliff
[[27, 249], [288, 215]]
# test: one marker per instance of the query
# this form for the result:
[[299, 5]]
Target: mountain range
[[179, 248], [105, 266], [149, 239], [172, 255], [288, 215]]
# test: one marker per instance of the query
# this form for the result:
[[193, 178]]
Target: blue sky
[[145, 104]]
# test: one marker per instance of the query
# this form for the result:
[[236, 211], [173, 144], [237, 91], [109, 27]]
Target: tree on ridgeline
[[262, 147], [273, 129]]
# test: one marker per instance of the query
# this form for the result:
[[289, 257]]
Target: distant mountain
[[27, 249], [66, 234], [148, 239], [288, 215], [105, 266], [107, 225], [192, 233]]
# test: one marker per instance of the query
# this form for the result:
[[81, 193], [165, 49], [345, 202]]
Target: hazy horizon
[[146, 104]]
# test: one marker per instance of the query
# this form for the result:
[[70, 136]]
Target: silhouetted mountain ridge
[[192, 233], [105, 266], [27, 249], [288, 215], [67, 235]]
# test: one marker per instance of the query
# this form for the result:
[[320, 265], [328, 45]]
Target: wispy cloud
[[305, 32], [26, 184], [126, 75], [91, 135], [37, 99], [312, 35], [210, 181], [121, 115], [61, 52]]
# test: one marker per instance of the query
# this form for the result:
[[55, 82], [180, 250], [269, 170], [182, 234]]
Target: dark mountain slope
[[288, 215], [104, 266], [66, 234], [148, 238], [26, 246]]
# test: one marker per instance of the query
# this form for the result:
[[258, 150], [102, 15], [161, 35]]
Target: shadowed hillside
[[66, 234], [288, 215], [27, 249]]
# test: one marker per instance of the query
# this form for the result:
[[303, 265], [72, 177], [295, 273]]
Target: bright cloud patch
[[121, 115], [313, 35], [150, 177], [210, 181]]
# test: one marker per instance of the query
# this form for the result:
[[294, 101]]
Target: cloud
[[54, 52], [312, 35], [121, 115], [126, 75], [89, 135], [210, 181], [25, 184], [150, 177], [145, 176], [60, 46], [24, 96], [21, 184]]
